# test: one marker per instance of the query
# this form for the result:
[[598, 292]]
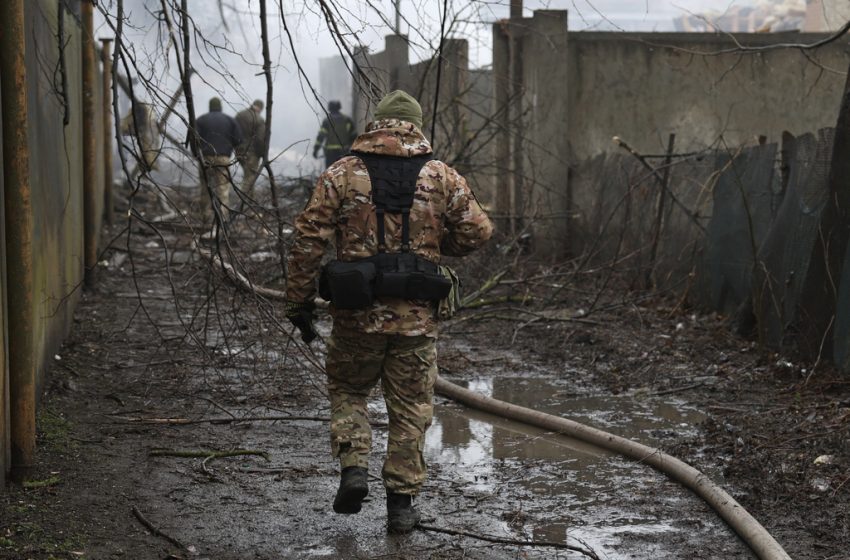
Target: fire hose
[[747, 527]]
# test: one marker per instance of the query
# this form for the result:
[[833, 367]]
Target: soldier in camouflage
[[141, 124], [250, 151], [394, 340]]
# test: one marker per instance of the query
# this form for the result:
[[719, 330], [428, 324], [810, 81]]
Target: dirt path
[[141, 377]]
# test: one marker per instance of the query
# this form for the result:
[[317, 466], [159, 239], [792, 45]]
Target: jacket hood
[[392, 137]]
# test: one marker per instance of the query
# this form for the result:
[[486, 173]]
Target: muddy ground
[[168, 360]]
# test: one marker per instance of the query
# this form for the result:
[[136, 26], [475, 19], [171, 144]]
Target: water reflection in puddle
[[565, 487]]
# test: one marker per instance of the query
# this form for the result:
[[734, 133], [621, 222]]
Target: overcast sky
[[232, 72]]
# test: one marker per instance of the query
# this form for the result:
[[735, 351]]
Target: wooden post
[[502, 152], [18, 222], [89, 143], [517, 79], [106, 61], [649, 280]]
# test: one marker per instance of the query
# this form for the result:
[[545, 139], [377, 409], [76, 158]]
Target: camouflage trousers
[[250, 163], [407, 369], [217, 170]]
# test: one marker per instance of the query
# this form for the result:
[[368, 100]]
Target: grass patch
[[54, 431], [29, 537], [52, 481]]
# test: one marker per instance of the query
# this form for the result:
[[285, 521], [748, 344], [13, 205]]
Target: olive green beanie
[[215, 104], [399, 105]]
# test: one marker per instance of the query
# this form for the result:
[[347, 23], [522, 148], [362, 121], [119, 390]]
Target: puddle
[[567, 490]]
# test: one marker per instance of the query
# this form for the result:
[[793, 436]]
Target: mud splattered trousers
[[407, 369], [217, 170]]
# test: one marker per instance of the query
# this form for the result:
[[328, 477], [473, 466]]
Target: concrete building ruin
[[826, 15]]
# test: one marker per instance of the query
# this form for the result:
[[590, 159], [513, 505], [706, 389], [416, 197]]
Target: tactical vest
[[404, 275]]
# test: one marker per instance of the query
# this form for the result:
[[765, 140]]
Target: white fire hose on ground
[[747, 527]]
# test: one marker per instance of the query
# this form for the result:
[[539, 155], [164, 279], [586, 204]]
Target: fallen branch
[[499, 540], [677, 389], [488, 285], [473, 304], [259, 470], [226, 420], [218, 419], [243, 282], [546, 315], [154, 531], [207, 455], [240, 279]]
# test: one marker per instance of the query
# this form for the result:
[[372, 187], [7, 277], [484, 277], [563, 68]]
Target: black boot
[[353, 487], [402, 517]]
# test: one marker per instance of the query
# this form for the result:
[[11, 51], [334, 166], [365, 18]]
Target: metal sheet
[[787, 250], [744, 207]]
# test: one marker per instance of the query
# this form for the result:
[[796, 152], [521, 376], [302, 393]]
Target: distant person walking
[[336, 135], [141, 124], [218, 135], [250, 151]]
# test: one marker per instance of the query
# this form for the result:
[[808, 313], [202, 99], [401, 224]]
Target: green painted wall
[[56, 166]]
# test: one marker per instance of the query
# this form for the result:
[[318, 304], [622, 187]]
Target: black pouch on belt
[[408, 276], [431, 286], [348, 285]]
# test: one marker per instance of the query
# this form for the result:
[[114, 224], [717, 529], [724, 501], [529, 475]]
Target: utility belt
[[356, 284], [404, 275]]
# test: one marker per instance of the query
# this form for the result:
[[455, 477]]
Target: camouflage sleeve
[[259, 136], [314, 227], [467, 225]]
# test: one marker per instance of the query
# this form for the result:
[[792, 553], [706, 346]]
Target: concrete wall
[[379, 73], [390, 69], [531, 78], [643, 86], [5, 442], [56, 173], [56, 179], [464, 131]]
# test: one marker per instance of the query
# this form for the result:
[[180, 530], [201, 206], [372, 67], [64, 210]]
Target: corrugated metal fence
[[740, 230]]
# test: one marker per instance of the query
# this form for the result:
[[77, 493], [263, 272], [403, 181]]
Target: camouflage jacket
[[445, 219], [253, 128]]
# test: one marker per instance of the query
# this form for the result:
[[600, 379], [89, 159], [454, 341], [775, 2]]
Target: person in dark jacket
[[336, 135], [250, 152], [218, 136]]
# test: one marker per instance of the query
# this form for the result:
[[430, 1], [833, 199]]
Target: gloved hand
[[300, 314], [316, 152]]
